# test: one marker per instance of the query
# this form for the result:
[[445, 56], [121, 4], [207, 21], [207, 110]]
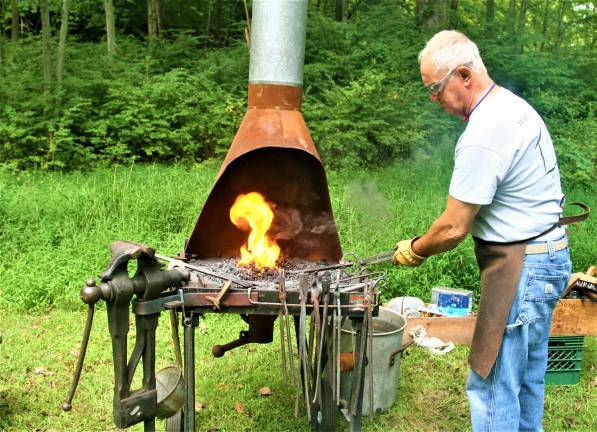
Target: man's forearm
[[441, 237]]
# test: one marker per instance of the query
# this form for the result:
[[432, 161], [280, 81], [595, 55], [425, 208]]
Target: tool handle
[[220, 350], [67, 404]]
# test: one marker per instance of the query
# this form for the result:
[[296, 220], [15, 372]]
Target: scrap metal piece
[[216, 300]]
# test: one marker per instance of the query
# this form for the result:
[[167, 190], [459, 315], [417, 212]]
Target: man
[[505, 190]]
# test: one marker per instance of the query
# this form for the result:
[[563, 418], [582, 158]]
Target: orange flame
[[251, 212]]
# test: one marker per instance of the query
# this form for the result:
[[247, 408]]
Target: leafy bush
[[363, 99]]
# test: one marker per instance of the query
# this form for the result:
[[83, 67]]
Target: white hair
[[449, 49]]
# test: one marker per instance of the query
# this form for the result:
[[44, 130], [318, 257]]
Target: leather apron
[[500, 265]]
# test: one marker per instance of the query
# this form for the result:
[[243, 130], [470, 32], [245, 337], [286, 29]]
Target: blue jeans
[[511, 398]]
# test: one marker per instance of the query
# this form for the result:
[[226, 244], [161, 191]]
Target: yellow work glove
[[404, 254]]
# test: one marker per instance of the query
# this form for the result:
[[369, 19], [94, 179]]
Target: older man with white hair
[[505, 190]]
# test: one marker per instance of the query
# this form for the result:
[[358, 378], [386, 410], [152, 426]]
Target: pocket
[[542, 290]]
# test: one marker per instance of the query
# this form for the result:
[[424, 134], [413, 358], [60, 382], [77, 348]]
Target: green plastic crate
[[564, 359]]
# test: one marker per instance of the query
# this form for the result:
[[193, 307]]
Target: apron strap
[[567, 220]]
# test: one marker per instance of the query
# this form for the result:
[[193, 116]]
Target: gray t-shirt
[[505, 161]]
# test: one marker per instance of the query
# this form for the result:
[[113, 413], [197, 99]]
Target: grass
[[430, 396], [54, 233]]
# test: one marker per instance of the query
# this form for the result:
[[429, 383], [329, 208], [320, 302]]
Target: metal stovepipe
[[278, 42]]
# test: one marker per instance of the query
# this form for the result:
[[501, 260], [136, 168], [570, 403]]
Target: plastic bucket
[[388, 329]]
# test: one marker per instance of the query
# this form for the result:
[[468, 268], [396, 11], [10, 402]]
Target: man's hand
[[404, 254]]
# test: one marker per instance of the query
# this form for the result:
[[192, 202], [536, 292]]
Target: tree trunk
[[489, 13], [453, 14], [153, 19], [46, 36], [420, 7], [151, 28], [158, 17], [1, 37], [62, 43], [521, 23], [217, 19], [545, 22], [14, 23], [339, 10], [433, 14], [110, 26], [208, 26], [512, 17], [560, 31]]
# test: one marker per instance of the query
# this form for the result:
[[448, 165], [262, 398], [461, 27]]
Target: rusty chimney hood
[[272, 152]]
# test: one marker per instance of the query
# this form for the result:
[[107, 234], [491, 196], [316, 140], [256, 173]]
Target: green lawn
[[55, 231], [430, 397]]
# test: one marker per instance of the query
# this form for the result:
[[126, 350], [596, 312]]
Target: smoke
[[287, 223], [367, 201]]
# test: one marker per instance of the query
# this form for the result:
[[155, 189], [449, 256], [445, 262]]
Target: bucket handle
[[399, 351]]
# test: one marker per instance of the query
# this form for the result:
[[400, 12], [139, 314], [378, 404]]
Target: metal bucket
[[171, 393], [388, 329]]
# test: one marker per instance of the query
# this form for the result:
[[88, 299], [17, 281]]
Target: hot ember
[[251, 212]]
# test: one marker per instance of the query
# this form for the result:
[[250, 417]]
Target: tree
[[110, 26], [512, 17], [62, 43], [453, 14], [14, 22], [432, 14], [522, 16], [1, 33], [46, 36], [341, 10], [560, 29], [545, 22], [153, 19], [489, 13]]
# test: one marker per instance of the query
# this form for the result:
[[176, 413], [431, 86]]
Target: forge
[[265, 246]]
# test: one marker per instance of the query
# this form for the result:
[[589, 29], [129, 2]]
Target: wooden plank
[[457, 330], [571, 317], [574, 317]]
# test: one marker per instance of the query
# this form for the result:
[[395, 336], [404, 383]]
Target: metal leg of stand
[[189, 371], [149, 324], [358, 375]]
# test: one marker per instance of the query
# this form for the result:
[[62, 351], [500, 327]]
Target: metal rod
[[356, 405], [338, 339], [370, 355], [373, 259], [282, 347], [303, 284], [149, 325], [67, 404], [189, 371], [175, 337], [205, 271]]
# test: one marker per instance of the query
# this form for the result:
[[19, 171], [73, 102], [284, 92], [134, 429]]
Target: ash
[[228, 267]]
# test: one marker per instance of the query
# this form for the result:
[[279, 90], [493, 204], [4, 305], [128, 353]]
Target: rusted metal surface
[[274, 155], [282, 97], [272, 152]]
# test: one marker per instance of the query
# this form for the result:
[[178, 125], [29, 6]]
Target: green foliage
[[363, 101]]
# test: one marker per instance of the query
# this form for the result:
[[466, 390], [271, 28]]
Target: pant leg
[[494, 402], [532, 392]]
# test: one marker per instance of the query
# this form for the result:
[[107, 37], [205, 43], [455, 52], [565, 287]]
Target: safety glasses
[[437, 87]]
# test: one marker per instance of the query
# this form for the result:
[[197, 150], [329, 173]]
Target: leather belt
[[541, 248]]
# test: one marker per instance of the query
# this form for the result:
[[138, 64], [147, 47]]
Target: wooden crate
[[571, 317]]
